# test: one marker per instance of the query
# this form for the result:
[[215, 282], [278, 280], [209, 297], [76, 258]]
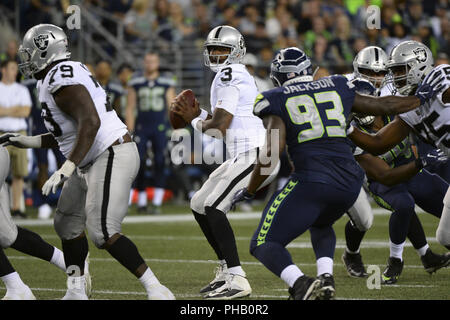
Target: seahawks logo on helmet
[[41, 41], [421, 54]]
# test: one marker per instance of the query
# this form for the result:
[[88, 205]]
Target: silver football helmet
[[223, 36], [42, 45], [409, 63], [370, 64]]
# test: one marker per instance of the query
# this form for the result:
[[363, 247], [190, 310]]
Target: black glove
[[431, 159], [241, 195]]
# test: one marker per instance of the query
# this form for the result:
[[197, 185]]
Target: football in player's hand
[[176, 120]]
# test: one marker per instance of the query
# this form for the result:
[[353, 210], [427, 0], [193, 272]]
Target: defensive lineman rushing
[[101, 164], [310, 117], [393, 180], [411, 62], [233, 92]]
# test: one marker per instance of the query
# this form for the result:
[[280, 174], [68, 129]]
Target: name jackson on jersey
[[63, 127]]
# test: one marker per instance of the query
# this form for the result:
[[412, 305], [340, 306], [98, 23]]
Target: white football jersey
[[234, 90], [61, 125], [431, 121]]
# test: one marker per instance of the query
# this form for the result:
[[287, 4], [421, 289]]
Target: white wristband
[[67, 168], [350, 130], [202, 116]]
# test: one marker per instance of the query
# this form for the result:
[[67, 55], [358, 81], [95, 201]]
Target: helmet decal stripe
[[217, 32], [376, 55]]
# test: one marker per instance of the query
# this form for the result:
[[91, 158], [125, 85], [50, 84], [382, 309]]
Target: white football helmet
[[224, 36], [42, 45], [370, 64], [409, 63]]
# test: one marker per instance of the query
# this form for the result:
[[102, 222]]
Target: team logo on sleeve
[[41, 41], [421, 54]]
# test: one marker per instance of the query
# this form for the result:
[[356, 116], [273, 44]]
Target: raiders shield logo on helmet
[[41, 42], [421, 54]]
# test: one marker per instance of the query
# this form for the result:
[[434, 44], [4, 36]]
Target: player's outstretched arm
[[76, 101], [21, 141], [388, 105], [269, 153], [378, 170], [384, 140]]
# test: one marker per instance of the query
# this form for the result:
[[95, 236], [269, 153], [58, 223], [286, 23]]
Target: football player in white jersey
[[411, 62], [21, 239], [390, 170], [102, 161], [233, 92]]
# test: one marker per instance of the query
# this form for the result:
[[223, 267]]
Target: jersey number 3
[[303, 112]]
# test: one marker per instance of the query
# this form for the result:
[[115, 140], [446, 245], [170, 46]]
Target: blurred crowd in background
[[331, 32]]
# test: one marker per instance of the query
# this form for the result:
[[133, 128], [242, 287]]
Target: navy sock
[[323, 241], [415, 233], [274, 256]]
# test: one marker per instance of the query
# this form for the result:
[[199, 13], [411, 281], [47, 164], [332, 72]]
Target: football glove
[[241, 195], [20, 141], [58, 178], [433, 158], [426, 92]]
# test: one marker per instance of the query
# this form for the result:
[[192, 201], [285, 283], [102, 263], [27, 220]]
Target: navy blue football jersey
[[315, 114], [151, 102]]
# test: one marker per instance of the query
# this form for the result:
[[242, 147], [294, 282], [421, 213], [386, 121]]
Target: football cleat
[[76, 288], [23, 293], [305, 288], [392, 272], [159, 292], [355, 266], [433, 262], [327, 290], [218, 281], [235, 286]]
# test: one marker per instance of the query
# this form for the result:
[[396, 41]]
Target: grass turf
[[183, 261]]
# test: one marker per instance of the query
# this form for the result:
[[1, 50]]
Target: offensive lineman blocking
[[101, 165]]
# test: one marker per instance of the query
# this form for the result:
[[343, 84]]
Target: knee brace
[[68, 226]]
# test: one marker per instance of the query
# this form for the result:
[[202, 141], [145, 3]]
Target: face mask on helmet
[[376, 78], [400, 79], [364, 120]]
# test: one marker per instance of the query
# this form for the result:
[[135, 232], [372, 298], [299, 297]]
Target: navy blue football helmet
[[289, 63]]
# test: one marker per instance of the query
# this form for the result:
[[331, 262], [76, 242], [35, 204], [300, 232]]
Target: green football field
[[174, 247]]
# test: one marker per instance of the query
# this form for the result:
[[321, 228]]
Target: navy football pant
[[300, 206], [424, 189], [159, 145]]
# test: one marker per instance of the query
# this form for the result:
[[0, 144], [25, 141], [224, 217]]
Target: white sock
[[290, 274], [423, 250], [324, 265], [158, 196], [396, 250], [237, 270], [142, 199], [130, 199], [148, 279], [13, 281], [58, 259], [351, 252]]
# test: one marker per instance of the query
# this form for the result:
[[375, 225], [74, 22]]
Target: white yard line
[[194, 261], [178, 218]]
